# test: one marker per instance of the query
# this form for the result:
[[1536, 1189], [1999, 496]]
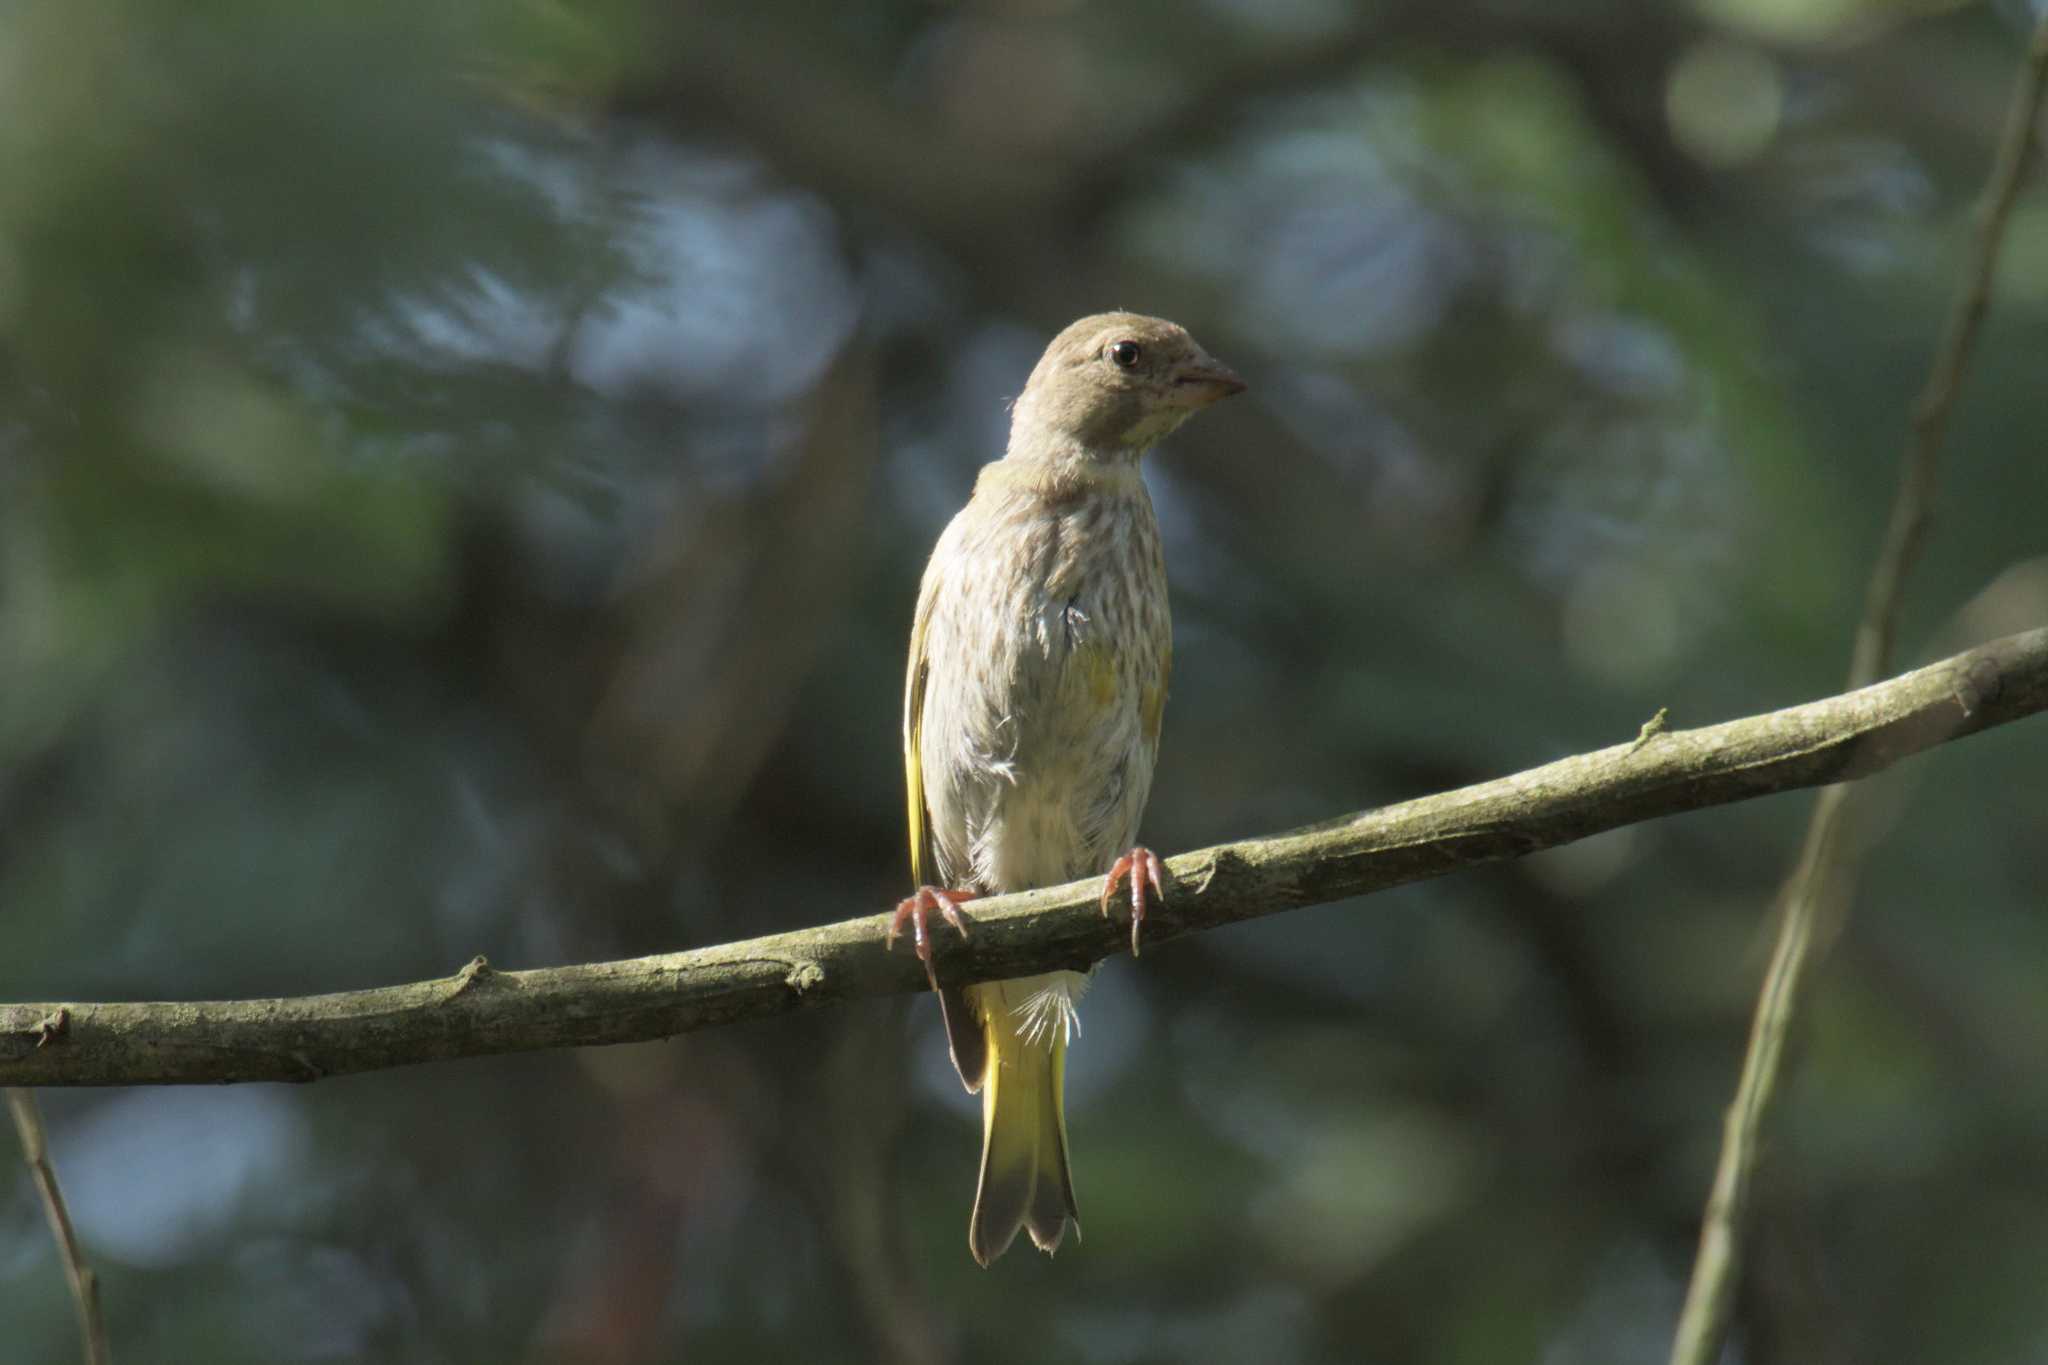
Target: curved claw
[[1141, 865], [917, 908]]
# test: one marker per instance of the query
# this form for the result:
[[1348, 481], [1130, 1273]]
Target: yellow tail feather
[[1024, 1177]]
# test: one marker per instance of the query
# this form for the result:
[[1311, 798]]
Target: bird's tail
[[1024, 1177]]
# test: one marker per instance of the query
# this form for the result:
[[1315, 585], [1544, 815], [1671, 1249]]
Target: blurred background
[[464, 473]]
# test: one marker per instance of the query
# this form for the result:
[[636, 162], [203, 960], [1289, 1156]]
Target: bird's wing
[[964, 1037], [921, 859]]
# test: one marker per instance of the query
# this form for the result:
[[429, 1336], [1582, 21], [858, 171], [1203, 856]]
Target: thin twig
[[85, 1286], [483, 1012], [1820, 876]]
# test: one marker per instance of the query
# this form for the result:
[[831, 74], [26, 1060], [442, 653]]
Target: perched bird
[[1038, 665]]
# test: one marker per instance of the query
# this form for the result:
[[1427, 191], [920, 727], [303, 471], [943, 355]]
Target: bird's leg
[[917, 909], [1141, 865]]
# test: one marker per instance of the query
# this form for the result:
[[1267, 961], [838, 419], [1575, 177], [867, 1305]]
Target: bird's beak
[[1202, 383]]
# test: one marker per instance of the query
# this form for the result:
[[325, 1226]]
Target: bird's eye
[[1124, 353]]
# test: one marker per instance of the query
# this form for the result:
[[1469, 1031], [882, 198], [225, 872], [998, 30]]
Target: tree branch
[[481, 1011], [1823, 872], [85, 1286]]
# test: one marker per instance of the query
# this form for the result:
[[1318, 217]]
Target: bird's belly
[[1045, 760], [1072, 788]]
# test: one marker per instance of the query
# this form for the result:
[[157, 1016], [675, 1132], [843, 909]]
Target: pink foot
[[917, 909], [1141, 865]]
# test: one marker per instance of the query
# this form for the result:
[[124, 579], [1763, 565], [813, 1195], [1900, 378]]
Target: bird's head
[[1112, 385]]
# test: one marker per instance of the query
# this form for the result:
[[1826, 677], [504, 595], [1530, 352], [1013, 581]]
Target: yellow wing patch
[[913, 762]]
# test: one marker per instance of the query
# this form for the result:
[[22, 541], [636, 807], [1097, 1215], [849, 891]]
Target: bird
[[1039, 657]]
